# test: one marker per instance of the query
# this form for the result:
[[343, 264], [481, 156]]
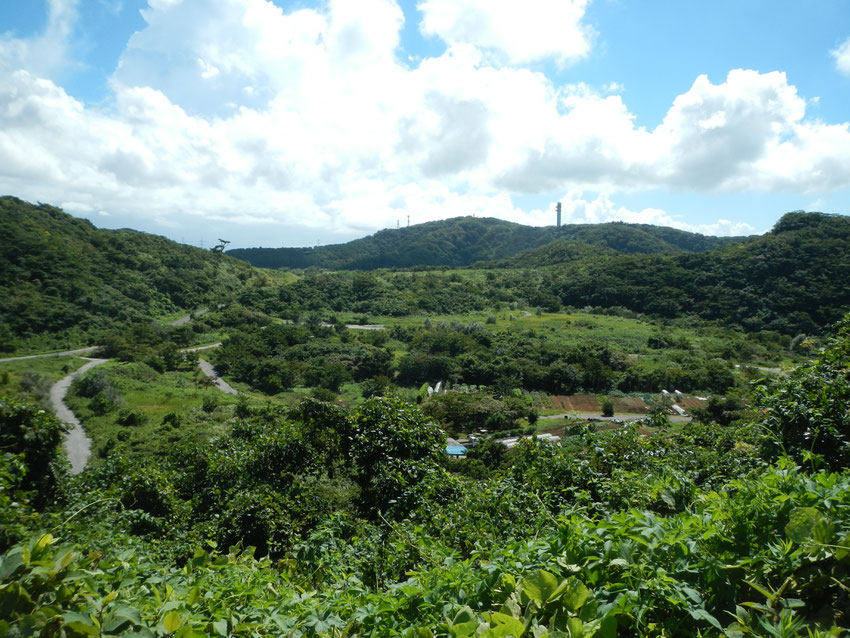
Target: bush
[[32, 436], [607, 406]]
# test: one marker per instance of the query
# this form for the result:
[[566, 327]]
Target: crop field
[[575, 403]]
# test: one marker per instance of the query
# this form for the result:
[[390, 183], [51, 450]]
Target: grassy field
[[31, 378], [151, 412]]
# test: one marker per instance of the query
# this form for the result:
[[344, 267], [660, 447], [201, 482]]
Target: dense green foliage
[[791, 280], [62, 277], [29, 467], [362, 528], [463, 241], [808, 414]]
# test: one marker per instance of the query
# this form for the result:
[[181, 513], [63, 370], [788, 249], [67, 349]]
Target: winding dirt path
[[77, 444]]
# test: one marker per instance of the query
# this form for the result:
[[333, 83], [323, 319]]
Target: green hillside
[[792, 279], [462, 241], [61, 276]]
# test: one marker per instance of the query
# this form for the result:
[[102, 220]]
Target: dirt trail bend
[[77, 444]]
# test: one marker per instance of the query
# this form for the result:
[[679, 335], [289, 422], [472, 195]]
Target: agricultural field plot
[[630, 405], [575, 403], [689, 403]]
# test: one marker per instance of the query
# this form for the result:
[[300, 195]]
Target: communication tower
[[558, 210]]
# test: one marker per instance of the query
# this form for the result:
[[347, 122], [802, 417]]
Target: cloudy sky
[[275, 123]]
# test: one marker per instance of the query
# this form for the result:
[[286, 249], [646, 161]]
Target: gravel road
[[77, 444], [65, 353], [673, 418], [208, 369], [187, 318]]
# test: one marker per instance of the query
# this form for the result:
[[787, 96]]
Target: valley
[[268, 447]]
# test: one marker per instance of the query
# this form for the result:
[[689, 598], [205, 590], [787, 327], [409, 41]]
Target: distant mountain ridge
[[463, 241]]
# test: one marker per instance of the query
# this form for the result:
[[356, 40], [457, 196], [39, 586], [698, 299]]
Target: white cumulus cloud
[[238, 111], [47, 53], [842, 57], [520, 32]]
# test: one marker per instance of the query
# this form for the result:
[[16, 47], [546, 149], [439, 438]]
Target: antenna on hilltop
[[558, 210], [408, 220], [397, 224]]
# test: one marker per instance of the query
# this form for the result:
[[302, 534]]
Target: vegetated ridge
[[462, 241], [792, 279], [61, 274]]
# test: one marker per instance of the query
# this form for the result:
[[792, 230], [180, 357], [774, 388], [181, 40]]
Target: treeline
[[463, 241], [792, 280], [275, 358], [61, 276]]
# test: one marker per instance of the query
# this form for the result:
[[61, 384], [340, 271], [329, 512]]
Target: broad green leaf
[[220, 627], [511, 608], [115, 625], [461, 630], [11, 563], [575, 594], [801, 522], [82, 628], [171, 622], [75, 616], [194, 595], [576, 627], [109, 597], [507, 625], [843, 550], [43, 541], [128, 613], [464, 614], [608, 628], [539, 586], [64, 560], [702, 614], [13, 598], [80, 623]]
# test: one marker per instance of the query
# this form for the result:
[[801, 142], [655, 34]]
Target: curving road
[[64, 353], [77, 444], [208, 369]]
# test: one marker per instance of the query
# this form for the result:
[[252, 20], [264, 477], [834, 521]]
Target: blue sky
[[296, 123]]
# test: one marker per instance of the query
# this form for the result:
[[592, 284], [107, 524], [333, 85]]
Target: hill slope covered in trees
[[462, 241], [62, 275]]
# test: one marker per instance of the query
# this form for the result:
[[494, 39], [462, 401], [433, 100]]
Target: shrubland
[[320, 520]]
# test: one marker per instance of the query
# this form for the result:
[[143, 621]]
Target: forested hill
[[462, 241], [61, 274], [792, 279]]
